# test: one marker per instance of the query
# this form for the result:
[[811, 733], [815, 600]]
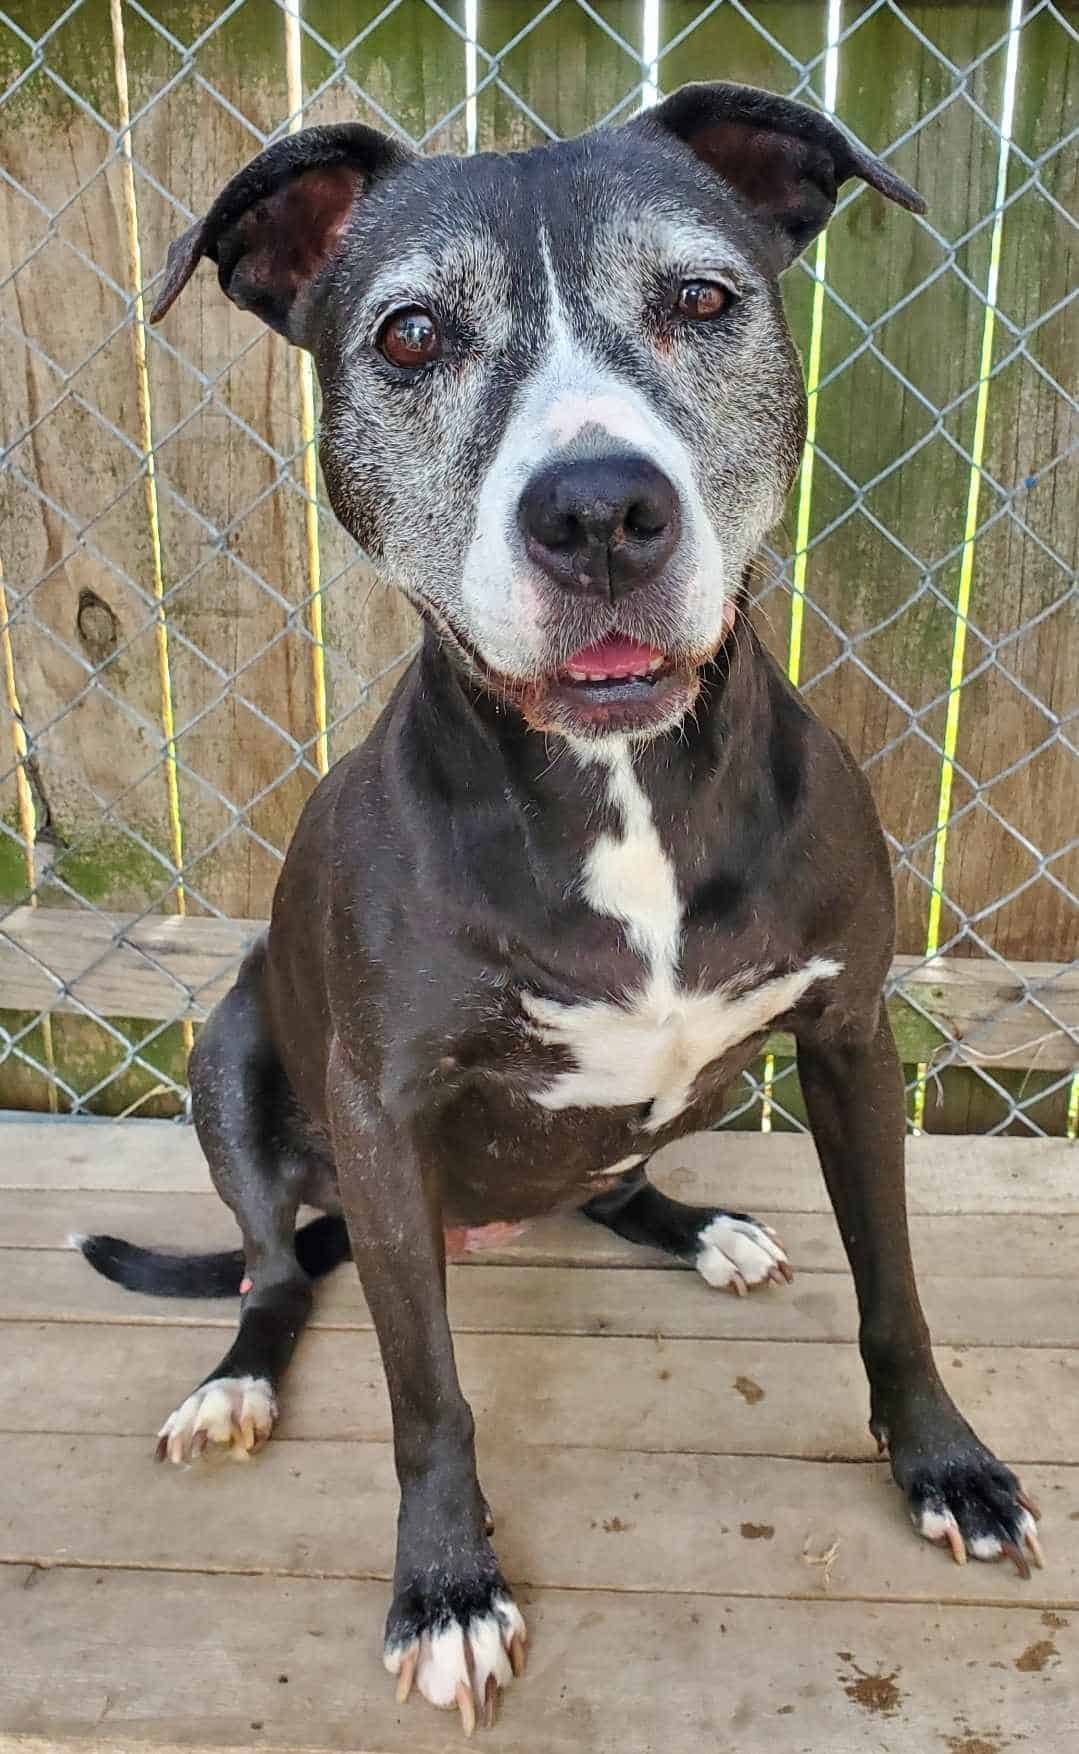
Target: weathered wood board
[[693, 1516]]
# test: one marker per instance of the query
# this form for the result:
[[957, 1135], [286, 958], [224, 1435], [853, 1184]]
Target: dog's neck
[[512, 793]]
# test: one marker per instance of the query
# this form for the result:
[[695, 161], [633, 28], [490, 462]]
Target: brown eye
[[701, 299], [410, 338]]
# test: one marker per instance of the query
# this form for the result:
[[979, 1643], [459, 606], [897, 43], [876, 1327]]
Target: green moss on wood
[[84, 1054], [103, 866]]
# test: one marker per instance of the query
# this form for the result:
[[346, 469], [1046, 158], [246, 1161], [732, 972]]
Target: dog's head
[[561, 406]]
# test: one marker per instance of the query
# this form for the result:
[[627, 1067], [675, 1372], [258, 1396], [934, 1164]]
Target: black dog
[[596, 847]]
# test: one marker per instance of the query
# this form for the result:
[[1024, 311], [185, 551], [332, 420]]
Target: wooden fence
[[924, 404]]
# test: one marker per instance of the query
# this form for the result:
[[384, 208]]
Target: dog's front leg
[[453, 1627], [957, 1491]]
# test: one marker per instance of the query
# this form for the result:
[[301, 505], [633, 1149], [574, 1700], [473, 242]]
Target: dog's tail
[[320, 1246]]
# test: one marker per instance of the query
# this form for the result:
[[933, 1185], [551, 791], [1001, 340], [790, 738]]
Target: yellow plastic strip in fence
[[25, 794], [146, 432], [805, 482], [294, 83], [966, 566]]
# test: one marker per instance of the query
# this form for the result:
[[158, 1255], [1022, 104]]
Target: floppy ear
[[279, 222], [787, 162]]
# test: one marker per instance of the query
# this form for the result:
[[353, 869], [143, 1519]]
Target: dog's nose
[[600, 526]]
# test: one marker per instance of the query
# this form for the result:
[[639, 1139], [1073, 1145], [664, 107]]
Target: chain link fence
[[188, 638]]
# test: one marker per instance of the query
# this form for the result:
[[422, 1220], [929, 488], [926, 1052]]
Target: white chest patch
[[650, 1045]]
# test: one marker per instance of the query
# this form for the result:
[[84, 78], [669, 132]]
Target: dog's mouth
[[617, 678], [613, 662], [616, 685]]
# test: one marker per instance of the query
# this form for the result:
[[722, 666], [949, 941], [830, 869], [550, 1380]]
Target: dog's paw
[[231, 1414], [458, 1658], [735, 1253], [974, 1504]]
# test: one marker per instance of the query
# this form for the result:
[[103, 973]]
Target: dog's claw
[[466, 1705], [1035, 1549], [490, 1703], [739, 1286], [1009, 1550], [1029, 1504], [407, 1676], [956, 1543], [518, 1655]]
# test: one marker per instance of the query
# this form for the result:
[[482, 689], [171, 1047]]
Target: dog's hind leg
[[728, 1249], [241, 1103]]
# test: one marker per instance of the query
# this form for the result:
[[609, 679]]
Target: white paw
[[463, 1665], [936, 1523], [737, 1253], [234, 1413]]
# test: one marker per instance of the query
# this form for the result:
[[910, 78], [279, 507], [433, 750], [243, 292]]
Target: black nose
[[600, 525]]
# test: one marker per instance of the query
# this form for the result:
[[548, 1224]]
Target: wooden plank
[[593, 1521], [92, 745], [412, 66], [197, 1661], [750, 1170], [566, 69], [981, 1004], [232, 514], [943, 1175], [991, 1310], [877, 256], [165, 968], [963, 1247], [76, 536], [1016, 579], [158, 967], [671, 1395]]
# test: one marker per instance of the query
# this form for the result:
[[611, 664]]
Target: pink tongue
[[614, 656]]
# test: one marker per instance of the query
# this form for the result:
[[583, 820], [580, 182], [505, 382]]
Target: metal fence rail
[[187, 638]]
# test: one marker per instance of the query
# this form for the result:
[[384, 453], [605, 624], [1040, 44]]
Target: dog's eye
[[701, 300], [410, 338]]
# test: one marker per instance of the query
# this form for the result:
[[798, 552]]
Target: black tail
[[320, 1247]]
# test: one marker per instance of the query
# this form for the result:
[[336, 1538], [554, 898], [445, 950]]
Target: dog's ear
[[787, 162], [279, 221]]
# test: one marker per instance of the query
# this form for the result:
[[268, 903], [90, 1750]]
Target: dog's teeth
[[597, 675], [577, 675], [654, 664]]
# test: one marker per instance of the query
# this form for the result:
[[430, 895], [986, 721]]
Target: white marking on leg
[[233, 1413], [651, 1046], [730, 1250]]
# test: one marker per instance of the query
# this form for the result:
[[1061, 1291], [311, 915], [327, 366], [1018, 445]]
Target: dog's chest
[[650, 1044]]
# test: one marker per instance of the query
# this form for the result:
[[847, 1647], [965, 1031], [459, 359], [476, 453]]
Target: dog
[[596, 847]]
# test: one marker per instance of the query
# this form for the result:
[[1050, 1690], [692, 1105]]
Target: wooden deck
[[708, 1555]]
